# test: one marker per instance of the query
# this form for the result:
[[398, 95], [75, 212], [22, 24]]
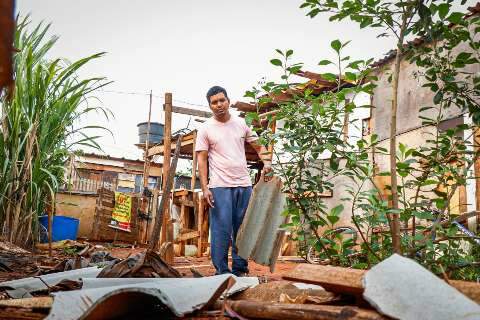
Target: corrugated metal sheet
[[33, 284], [105, 298], [402, 289], [260, 236]]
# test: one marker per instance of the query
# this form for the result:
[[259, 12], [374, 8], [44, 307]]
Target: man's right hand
[[208, 195]]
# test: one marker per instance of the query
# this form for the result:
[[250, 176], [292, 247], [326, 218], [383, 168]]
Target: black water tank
[[156, 132]]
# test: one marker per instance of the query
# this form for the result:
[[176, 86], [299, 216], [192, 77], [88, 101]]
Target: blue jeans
[[225, 220]]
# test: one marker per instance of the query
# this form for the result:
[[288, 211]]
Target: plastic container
[[156, 132], [63, 228]]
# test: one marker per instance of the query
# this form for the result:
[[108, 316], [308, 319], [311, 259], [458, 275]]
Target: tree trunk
[[395, 229]]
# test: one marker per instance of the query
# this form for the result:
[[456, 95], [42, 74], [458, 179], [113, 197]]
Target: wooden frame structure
[[190, 231]]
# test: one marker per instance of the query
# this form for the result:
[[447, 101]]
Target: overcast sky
[[185, 47]]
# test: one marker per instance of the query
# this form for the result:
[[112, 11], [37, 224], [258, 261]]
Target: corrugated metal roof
[[112, 298], [112, 160]]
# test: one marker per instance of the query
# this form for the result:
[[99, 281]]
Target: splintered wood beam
[[346, 280], [334, 279], [191, 112]]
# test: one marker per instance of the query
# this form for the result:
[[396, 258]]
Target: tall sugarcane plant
[[39, 128]]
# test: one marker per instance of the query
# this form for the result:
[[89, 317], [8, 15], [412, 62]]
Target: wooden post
[[194, 162], [199, 226], [50, 226], [164, 204], [146, 166], [183, 224], [167, 149], [142, 230]]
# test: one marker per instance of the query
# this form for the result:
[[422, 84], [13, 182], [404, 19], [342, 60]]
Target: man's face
[[219, 104]]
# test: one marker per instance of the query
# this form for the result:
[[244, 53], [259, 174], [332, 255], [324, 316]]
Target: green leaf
[[438, 97], [324, 62], [464, 56], [426, 215], [443, 10], [289, 53], [350, 76], [336, 45], [329, 76], [276, 62], [366, 21], [250, 117], [456, 17], [333, 219], [337, 210], [360, 265]]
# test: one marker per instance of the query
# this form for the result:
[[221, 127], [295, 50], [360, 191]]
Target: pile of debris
[[143, 286]]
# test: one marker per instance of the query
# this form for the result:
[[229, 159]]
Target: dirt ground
[[17, 264], [205, 267]]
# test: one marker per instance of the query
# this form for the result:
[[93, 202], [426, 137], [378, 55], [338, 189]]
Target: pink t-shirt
[[225, 143]]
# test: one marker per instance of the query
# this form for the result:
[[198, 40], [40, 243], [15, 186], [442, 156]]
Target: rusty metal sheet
[[110, 298], [6, 42], [259, 237]]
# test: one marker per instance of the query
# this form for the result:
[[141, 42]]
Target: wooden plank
[[183, 210], [183, 202], [470, 289], [167, 140], [179, 193], [160, 221], [268, 310], [345, 280], [194, 163], [199, 225], [334, 279], [187, 236], [191, 112], [159, 150]]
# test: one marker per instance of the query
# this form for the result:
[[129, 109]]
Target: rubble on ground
[[92, 283]]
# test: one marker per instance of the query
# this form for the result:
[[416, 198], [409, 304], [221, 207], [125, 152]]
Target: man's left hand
[[267, 173]]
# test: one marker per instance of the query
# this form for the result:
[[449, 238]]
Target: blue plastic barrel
[[63, 228]]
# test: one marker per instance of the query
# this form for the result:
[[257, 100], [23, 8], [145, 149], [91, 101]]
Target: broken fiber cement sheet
[[260, 236], [401, 288], [110, 298], [22, 287]]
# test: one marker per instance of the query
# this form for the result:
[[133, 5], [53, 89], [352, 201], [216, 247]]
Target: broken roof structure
[[316, 83]]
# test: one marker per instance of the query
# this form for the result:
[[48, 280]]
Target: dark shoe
[[241, 274]]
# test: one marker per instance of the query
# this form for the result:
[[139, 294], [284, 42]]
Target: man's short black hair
[[216, 90]]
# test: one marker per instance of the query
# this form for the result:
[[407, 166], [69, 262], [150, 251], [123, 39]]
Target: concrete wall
[[412, 97], [79, 206]]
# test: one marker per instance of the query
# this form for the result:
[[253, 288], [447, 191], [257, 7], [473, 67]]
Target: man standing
[[221, 144]]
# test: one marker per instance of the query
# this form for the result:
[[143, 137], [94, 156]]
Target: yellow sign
[[122, 212]]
